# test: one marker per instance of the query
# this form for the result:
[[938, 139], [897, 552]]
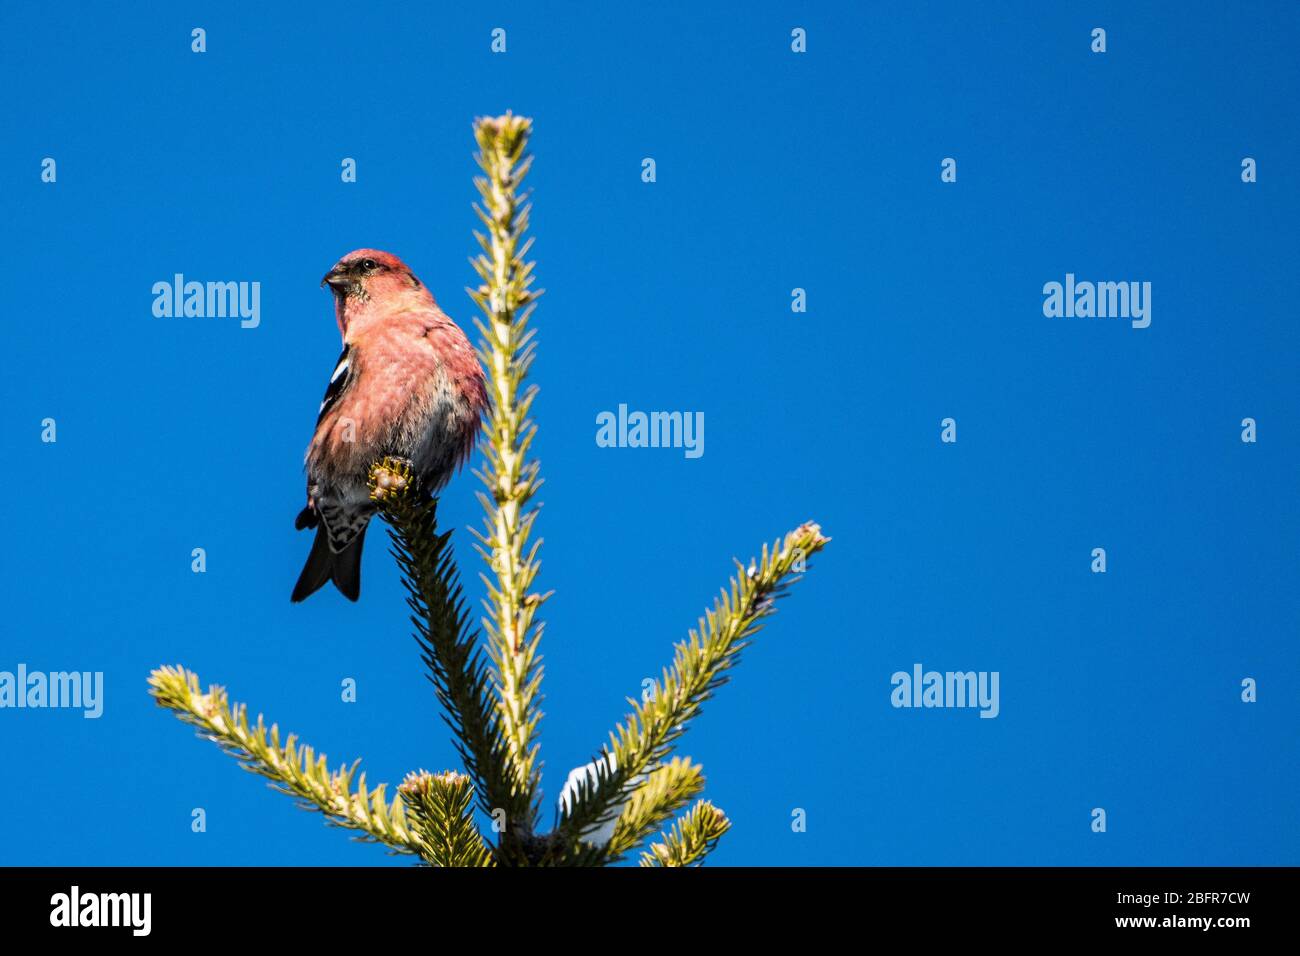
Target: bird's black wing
[[338, 382], [307, 518]]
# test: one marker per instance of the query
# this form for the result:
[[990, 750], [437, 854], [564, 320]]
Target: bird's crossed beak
[[338, 280]]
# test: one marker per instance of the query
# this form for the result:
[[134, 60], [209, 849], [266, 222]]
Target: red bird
[[408, 384]]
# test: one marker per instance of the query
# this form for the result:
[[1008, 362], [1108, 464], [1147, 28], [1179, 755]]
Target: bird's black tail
[[344, 568]]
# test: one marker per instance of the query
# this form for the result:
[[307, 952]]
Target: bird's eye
[[369, 265]]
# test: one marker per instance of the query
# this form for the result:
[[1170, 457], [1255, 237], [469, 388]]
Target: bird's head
[[360, 274], [368, 277]]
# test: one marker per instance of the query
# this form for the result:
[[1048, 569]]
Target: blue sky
[[775, 170]]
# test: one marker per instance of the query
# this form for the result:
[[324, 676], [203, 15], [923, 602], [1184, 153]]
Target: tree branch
[[448, 647], [511, 479], [291, 768], [699, 667], [664, 792], [692, 838], [440, 815]]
